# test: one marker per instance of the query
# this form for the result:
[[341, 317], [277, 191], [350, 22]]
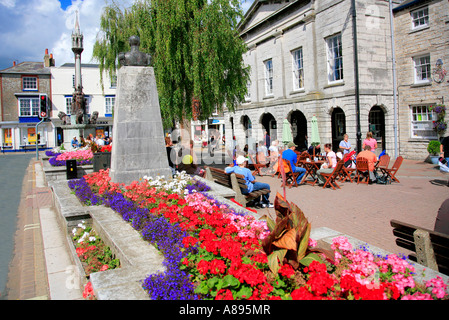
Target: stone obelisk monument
[[138, 147]]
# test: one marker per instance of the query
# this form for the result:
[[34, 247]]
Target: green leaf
[[307, 260], [244, 293], [304, 243], [275, 258], [230, 281]]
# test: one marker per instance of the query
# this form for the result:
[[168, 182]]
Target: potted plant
[[434, 150]]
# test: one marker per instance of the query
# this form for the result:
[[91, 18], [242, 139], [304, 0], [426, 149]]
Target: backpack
[[383, 179]]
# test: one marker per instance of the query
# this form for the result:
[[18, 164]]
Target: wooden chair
[[362, 170], [331, 178], [289, 174], [383, 162], [345, 173], [302, 157], [256, 165], [394, 169]]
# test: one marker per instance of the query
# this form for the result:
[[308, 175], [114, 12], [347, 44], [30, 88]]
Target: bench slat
[[440, 243]]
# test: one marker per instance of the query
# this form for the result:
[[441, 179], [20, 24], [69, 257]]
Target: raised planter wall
[[139, 258]]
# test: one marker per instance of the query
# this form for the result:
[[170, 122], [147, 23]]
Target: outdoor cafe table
[[311, 167]]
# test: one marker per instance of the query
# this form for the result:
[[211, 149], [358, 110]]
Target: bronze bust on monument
[[134, 57]]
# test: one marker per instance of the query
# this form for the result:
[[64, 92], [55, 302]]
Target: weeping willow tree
[[196, 52]]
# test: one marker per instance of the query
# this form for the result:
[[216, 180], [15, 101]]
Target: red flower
[[286, 270], [189, 241], [224, 294], [203, 267], [302, 294]]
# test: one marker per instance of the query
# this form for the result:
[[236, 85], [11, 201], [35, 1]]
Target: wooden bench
[[430, 248], [234, 181]]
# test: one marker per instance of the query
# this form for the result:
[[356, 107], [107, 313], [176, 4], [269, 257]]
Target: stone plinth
[[138, 148]]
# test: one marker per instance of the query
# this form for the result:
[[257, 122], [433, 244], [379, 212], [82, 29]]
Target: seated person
[[250, 182], [189, 166], [371, 157], [290, 155], [75, 143], [329, 165], [314, 150]]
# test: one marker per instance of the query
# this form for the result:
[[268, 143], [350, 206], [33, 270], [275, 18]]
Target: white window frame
[[29, 83], [334, 50], [268, 77], [109, 103], [248, 91], [422, 120], [113, 81], [420, 18], [28, 106], [298, 69], [420, 63], [68, 105]]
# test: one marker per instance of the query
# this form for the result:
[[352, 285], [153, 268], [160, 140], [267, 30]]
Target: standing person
[[442, 220], [345, 144], [267, 139], [329, 165], [262, 148], [291, 156], [370, 141], [444, 151], [444, 148], [250, 181], [168, 148]]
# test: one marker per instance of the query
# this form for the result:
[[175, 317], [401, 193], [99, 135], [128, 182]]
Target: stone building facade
[[422, 58], [20, 87], [301, 55]]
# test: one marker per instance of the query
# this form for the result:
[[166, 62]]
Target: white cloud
[[30, 27], [8, 3]]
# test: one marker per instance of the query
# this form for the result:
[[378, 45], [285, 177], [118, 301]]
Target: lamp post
[[356, 76]]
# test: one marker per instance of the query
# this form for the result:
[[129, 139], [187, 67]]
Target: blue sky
[[28, 27]]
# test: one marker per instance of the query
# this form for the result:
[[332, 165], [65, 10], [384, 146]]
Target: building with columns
[[301, 55]]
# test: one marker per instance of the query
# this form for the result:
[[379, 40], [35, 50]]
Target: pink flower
[[417, 296], [439, 287], [341, 243]]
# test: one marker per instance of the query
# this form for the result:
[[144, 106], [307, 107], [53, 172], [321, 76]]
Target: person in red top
[[371, 157]]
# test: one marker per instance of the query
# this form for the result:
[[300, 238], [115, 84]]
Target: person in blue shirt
[[291, 156], [75, 143], [250, 181]]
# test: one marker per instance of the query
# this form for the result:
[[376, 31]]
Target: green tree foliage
[[196, 51]]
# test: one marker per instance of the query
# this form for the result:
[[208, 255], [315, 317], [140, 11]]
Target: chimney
[[14, 63], [52, 60], [48, 59]]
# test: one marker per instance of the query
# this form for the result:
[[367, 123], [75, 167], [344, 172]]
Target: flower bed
[[82, 157], [211, 252], [94, 255]]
